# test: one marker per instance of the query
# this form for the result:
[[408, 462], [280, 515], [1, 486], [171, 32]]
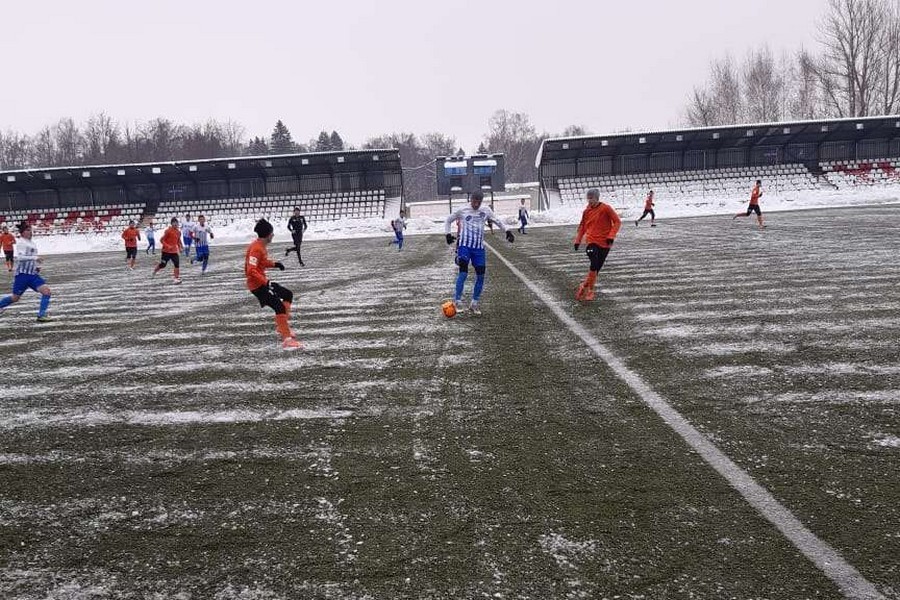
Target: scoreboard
[[465, 174]]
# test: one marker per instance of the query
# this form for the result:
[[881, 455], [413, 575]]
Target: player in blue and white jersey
[[28, 268], [187, 234], [472, 220], [202, 234], [398, 225], [151, 238]]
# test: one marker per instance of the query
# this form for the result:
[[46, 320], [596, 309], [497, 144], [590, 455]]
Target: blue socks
[[479, 285], [5, 301], [460, 282], [45, 304]]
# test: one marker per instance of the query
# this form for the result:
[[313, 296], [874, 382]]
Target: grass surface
[[156, 443]]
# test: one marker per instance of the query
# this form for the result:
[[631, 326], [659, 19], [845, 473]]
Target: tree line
[[102, 140], [853, 72]]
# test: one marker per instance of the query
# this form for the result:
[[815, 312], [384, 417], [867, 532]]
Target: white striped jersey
[[186, 228], [399, 224], [149, 232], [472, 222], [523, 212], [26, 257], [201, 234]]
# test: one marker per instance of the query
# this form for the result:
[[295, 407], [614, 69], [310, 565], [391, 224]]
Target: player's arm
[[212, 236], [492, 218], [291, 225], [580, 233], [615, 221], [303, 223]]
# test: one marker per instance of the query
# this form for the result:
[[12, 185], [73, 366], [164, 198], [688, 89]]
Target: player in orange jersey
[[753, 207], [131, 235], [269, 293], [648, 210], [7, 241], [171, 250], [599, 226]]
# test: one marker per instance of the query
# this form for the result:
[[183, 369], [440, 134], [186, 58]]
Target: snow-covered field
[[156, 443], [241, 232]]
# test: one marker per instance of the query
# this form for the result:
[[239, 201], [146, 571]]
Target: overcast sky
[[371, 67]]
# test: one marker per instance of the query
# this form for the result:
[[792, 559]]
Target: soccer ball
[[449, 309]]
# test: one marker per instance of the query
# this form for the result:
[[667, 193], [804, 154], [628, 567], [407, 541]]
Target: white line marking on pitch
[[827, 559]]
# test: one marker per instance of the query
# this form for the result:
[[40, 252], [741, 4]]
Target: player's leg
[[19, 287], [176, 262], [286, 296], [298, 241], [164, 259], [267, 297], [10, 261], [479, 262], [44, 290], [652, 218], [462, 261], [759, 217]]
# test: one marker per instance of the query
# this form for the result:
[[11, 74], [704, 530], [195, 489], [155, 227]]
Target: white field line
[[826, 558]]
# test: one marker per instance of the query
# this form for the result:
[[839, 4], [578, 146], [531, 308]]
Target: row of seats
[[731, 183], [79, 219], [315, 207], [871, 172], [677, 186]]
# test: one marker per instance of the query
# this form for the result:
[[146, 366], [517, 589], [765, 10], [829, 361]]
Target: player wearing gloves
[[472, 220], [599, 226], [269, 293]]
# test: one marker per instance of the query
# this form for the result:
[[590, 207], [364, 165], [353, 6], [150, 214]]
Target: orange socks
[[281, 326], [287, 307], [591, 279], [177, 272]]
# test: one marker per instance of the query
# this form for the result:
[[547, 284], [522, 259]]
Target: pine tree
[[257, 147], [335, 141], [482, 149], [281, 141], [460, 152], [323, 143]]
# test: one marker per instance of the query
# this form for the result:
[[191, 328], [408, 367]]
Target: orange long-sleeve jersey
[[648, 203], [598, 224], [131, 236], [7, 240], [256, 261], [171, 240], [755, 195]]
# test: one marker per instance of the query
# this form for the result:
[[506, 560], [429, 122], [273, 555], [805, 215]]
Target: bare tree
[[763, 87], [701, 111], [102, 139], [852, 36], [14, 150], [514, 135], [69, 142]]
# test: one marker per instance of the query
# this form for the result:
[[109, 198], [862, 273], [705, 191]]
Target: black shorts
[[165, 257], [298, 239], [274, 296], [753, 208], [648, 211], [597, 256], [10, 256], [130, 253]]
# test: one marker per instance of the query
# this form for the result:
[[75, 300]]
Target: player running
[[202, 234], [648, 210], [28, 269], [523, 217], [151, 238], [599, 226], [187, 232], [471, 245], [296, 225], [753, 207], [8, 242], [269, 293], [398, 225], [131, 235], [171, 250]]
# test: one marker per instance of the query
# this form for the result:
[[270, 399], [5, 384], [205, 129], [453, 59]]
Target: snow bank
[[241, 232]]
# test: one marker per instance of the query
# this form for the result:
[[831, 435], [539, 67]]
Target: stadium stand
[[325, 185], [721, 163]]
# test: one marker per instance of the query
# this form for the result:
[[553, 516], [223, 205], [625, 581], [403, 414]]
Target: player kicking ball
[[599, 226], [28, 269], [472, 220], [269, 293]]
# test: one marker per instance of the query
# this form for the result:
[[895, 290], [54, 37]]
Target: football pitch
[[155, 442]]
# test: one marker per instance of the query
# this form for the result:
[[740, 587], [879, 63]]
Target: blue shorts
[[474, 256], [23, 281], [187, 240], [202, 253]]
